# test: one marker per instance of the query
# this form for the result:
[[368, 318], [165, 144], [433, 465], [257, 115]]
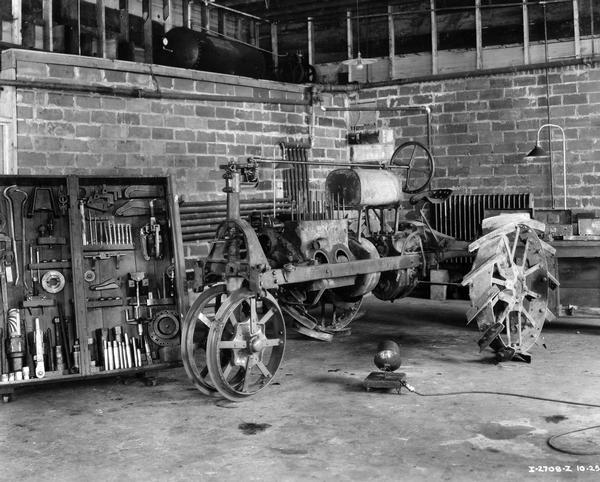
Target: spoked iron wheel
[[245, 345], [509, 286], [197, 322]]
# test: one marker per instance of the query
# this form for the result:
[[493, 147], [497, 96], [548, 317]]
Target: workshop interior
[[221, 198]]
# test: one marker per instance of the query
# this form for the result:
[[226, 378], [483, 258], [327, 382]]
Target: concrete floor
[[317, 422]]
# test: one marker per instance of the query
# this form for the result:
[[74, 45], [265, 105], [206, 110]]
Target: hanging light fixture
[[359, 62], [538, 153]]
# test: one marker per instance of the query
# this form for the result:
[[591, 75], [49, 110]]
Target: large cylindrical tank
[[364, 187], [189, 49]]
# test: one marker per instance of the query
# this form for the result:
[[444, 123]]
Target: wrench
[[23, 240], [11, 223]]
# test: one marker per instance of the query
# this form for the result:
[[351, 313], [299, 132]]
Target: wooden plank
[[101, 28], [173, 201], [147, 18], [311, 40], [16, 22], [168, 14], [221, 22], [204, 16], [576, 31], [124, 20], [434, 39], [72, 14], [478, 36], [525, 33], [274, 45], [47, 16], [256, 33], [76, 243], [349, 38], [186, 12], [391, 41], [438, 292]]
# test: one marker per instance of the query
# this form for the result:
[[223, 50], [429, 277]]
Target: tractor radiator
[[461, 215], [296, 179]]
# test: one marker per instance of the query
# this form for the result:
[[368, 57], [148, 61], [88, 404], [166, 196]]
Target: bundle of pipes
[[200, 219]]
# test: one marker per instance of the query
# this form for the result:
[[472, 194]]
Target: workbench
[[577, 263]]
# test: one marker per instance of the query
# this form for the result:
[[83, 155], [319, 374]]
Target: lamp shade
[[536, 153]]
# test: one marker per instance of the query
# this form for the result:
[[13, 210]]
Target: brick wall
[[482, 127], [61, 132]]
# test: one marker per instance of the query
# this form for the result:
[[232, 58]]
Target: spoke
[[204, 372], [525, 253], [204, 319], [507, 297], [273, 342], [231, 344], [499, 281], [514, 248], [532, 270], [264, 370], [233, 318], [531, 294], [253, 315], [226, 370], [508, 250], [266, 317], [519, 329], [249, 364], [412, 154], [529, 317], [508, 337]]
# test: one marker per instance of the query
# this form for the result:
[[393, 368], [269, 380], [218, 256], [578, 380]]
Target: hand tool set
[[88, 276]]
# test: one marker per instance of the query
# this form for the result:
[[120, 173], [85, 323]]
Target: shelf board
[[78, 376]]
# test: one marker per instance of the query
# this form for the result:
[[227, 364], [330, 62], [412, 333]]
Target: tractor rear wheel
[[509, 285]]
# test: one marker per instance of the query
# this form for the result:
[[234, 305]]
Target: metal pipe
[[145, 93], [564, 149], [266, 160], [233, 10]]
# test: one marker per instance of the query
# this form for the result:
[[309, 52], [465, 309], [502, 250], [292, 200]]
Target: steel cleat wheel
[[245, 344], [196, 324], [509, 288]]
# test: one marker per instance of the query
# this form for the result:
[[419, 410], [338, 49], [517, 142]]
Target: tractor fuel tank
[[364, 187]]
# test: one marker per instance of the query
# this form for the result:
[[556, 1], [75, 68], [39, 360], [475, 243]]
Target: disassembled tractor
[[318, 270]]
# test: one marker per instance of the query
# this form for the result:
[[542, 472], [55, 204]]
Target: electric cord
[[549, 441]]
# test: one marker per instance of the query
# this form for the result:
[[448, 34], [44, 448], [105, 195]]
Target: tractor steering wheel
[[418, 162]]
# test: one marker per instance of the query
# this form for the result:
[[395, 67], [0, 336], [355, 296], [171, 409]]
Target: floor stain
[[253, 428], [290, 451], [555, 418], [496, 431]]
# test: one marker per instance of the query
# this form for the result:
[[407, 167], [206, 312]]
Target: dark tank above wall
[[189, 49]]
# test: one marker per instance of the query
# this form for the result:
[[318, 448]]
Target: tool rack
[[91, 278]]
